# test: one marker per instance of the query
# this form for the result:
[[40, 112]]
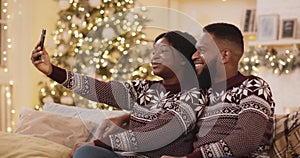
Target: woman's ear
[[182, 62]]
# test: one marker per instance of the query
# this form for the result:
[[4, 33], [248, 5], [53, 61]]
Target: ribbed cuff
[[195, 154], [99, 143], [58, 74]]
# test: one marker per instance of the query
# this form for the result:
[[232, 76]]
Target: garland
[[278, 62]]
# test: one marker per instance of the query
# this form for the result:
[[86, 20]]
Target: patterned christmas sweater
[[162, 117], [237, 121]]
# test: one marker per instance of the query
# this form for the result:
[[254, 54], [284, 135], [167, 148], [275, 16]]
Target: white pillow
[[94, 115]]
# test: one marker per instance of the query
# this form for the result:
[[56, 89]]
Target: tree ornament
[[95, 3], [108, 33], [64, 4]]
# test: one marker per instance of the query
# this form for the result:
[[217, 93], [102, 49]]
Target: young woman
[[162, 118]]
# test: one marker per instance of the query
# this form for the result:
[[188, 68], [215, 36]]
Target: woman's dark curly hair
[[181, 41]]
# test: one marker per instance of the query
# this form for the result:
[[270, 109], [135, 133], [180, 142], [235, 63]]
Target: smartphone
[[42, 40]]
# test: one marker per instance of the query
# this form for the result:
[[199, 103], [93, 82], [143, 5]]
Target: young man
[[238, 120]]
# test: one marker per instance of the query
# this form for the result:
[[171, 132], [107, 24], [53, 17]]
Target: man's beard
[[207, 74]]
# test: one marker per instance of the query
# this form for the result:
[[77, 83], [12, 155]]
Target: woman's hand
[[42, 63], [77, 145], [113, 125]]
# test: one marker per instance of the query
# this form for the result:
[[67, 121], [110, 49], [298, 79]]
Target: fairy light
[[9, 106], [6, 88], [280, 62], [7, 43]]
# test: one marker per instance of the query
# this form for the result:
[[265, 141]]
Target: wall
[[283, 8], [164, 15], [191, 15], [209, 11], [28, 18], [285, 87]]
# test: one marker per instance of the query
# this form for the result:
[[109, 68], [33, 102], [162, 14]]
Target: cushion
[[93, 115], [61, 129], [20, 146]]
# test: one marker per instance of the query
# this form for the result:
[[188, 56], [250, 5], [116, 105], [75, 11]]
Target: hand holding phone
[[42, 40]]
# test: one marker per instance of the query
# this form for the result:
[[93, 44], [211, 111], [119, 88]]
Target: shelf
[[249, 33], [275, 43]]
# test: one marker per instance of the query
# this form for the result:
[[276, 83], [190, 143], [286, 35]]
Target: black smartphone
[[42, 40]]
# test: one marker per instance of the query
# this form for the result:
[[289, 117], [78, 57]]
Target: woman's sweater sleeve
[[113, 93], [162, 131]]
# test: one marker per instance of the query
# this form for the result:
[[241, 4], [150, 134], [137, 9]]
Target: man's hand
[[113, 125], [77, 145]]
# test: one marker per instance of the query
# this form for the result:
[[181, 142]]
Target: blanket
[[21, 146], [286, 141]]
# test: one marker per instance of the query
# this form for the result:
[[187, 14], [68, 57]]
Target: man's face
[[206, 54]]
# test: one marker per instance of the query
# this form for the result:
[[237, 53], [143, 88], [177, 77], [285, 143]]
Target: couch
[[52, 133]]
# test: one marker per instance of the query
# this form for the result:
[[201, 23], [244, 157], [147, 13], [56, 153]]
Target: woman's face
[[165, 59]]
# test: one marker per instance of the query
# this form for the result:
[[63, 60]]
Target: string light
[[7, 88], [8, 94], [279, 62], [4, 28]]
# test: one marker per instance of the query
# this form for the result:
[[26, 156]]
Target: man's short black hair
[[225, 31]]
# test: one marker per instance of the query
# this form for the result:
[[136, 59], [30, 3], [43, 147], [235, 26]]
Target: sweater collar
[[230, 83]]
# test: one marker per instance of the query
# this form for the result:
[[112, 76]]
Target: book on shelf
[[249, 21]]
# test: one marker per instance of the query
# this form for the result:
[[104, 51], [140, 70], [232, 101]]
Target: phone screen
[[42, 40]]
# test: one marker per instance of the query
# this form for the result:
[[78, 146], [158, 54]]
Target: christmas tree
[[100, 38]]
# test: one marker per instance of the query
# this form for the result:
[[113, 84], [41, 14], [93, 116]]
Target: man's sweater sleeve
[[242, 141], [113, 93], [257, 110]]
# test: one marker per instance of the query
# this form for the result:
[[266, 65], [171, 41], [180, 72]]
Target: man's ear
[[226, 55]]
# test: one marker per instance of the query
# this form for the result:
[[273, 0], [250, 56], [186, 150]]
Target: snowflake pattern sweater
[[237, 122]]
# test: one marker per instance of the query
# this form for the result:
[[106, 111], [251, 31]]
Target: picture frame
[[288, 28], [268, 27], [249, 21]]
